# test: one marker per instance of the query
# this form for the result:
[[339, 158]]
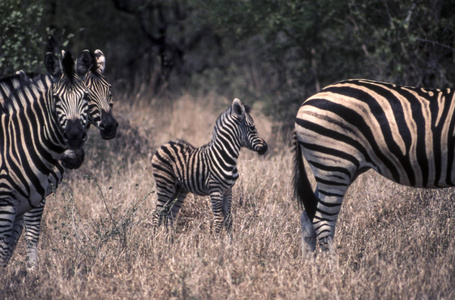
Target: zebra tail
[[302, 186]]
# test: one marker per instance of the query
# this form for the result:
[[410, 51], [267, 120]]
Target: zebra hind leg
[[175, 206], [164, 203], [308, 234]]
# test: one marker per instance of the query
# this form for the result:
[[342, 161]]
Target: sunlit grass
[[97, 242]]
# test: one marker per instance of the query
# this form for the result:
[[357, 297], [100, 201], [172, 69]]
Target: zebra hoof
[[73, 159]]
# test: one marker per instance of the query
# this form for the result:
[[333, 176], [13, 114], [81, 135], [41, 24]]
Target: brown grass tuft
[[391, 241]]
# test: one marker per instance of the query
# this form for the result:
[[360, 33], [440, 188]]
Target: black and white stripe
[[179, 168], [100, 112], [100, 104], [404, 133], [41, 117]]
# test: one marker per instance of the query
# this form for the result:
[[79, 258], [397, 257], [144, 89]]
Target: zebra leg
[[326, 217], [15, 235], [176, 206], [166, 195], [32, 221], [10, 230], [227, 199], [217, 207], [308, 233]]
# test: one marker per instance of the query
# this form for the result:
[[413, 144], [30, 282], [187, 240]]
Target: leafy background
[[273, 51]]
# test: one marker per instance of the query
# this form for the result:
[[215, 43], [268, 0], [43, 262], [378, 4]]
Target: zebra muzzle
[[73, 159], [262, 148], [74, 135], [108, 126]]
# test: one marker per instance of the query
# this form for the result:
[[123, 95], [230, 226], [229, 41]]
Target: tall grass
[[97, 242]]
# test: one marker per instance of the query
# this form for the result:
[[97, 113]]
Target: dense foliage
[[275, 51], [20, 37]]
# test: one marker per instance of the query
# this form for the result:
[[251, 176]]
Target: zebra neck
[[51, 131], [224, 149]]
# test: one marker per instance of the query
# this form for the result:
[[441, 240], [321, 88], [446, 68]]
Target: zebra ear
[[53, 66], [100, 60], [83, 63], [238, 108]]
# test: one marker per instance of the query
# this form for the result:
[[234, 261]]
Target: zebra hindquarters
[[170, 194], [334, 157]]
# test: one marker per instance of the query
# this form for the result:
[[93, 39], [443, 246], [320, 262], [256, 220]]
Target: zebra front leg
[[308, 234], [216, 198], [32, 221], [227, 200], [10, 231]]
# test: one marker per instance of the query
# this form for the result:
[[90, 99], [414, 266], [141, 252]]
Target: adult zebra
[[100, 115], [404, 133], [180, 168], [41, 117]]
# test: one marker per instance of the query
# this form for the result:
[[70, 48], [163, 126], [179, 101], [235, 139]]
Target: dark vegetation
[[277, 52], [174, 66]]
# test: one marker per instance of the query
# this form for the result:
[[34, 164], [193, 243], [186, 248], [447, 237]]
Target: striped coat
[[179, 168], [404, 133], [41, 118]]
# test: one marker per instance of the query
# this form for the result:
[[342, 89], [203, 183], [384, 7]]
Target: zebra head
[[100, 103], [70, 95], [249, 135]]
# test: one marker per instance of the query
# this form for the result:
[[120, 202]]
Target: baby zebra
[[180, 168]]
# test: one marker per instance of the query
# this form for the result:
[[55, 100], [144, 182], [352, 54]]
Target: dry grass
[[391, 241]]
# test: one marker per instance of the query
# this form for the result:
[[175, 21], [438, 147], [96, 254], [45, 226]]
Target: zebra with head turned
[[41, 117], [100, 114], [179, 168], [100, 98], [404, 133]]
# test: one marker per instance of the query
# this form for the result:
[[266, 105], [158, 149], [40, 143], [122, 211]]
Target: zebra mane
[[68, 65]]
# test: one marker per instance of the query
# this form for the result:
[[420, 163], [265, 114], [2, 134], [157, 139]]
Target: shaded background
[[276, 52]]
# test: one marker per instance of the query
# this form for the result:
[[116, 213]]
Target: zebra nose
[[262, 148], [75, 135], [108, 127]]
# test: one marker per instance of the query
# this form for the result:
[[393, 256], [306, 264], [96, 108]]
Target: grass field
[[391, 241]]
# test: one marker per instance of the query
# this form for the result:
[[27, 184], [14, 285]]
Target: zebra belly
[[197, 186], [22, 198]]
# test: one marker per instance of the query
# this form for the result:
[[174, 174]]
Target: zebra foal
[[179, 168], [404, 133], [41, 117]]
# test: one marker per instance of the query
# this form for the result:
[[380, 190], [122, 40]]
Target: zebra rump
[[403, 133]]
